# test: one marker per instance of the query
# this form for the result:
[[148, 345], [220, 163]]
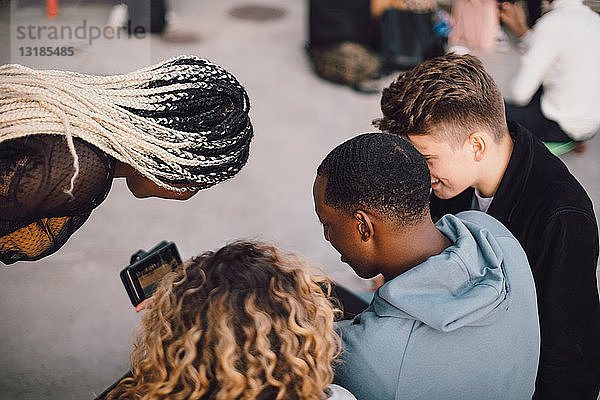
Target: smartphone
[[147, 268]]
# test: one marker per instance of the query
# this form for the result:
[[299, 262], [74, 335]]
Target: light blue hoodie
[[462, 325]]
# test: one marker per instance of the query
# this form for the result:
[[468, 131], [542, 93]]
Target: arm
[[565, 272], [540, 47], [371, 357]]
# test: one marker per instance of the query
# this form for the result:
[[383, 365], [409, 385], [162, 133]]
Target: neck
[[496, 164], [413, 246]]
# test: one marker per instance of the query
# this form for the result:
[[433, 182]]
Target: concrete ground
[[66, 320]]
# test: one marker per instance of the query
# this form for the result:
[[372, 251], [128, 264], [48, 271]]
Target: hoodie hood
[[463, 285]]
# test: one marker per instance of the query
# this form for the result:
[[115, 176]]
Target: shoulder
[[373, 334], [478, 221], [541, 183], [573, 225], [557, 15], [554, 22], [375, 324], [477, 217], [52, 148], [552, 189], [556, 29], [545, 28]]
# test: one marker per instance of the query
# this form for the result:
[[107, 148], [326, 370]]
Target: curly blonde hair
[[244, 322]]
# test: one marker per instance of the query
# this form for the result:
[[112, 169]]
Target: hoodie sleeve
[[569, 309], [369, 364]]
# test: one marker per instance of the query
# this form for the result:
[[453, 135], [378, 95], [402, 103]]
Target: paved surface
[[66, 320]]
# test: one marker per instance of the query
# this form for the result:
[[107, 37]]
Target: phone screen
[[150, 276], [147, 269]]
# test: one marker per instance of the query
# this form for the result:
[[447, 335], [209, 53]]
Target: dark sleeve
[[37, 215], [569, 308]]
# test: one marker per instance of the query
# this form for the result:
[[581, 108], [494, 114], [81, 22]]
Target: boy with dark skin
[[457, 294], [451, 110], [391, 252]]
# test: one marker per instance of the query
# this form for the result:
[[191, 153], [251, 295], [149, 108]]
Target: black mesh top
[[37, 216]]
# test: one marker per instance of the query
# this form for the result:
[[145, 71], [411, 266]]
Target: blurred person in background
[[475, 26], [244, 322], [153, 16], [556, 91], [170, 129]]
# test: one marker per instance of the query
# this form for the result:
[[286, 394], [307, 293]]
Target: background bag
[[346, 63], [334, 21]]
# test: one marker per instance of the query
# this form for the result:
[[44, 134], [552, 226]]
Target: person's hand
[[513, 16], [143, 305]]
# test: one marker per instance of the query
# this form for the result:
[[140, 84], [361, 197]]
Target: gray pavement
[[66, 320]]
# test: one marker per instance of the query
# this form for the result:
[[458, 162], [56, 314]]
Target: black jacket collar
[[513, 183]]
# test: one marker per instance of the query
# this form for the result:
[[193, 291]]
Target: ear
[[364, 225], [478, 145]]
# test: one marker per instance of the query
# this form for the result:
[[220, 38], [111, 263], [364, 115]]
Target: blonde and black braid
[[184, 120]]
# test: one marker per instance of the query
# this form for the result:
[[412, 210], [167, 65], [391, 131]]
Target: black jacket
[[551, 215]]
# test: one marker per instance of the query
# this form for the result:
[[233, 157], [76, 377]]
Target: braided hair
[[378, 172], [182, 121]]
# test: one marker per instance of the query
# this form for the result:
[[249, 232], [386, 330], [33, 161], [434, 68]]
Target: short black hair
[[378, 172]]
